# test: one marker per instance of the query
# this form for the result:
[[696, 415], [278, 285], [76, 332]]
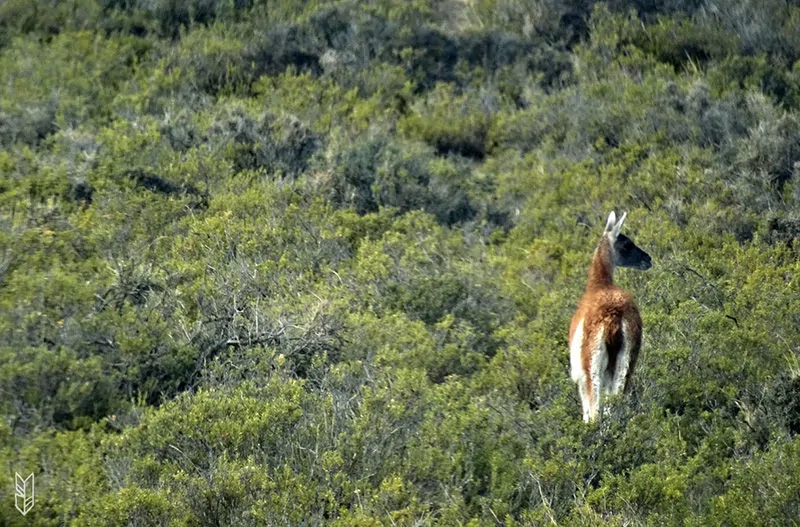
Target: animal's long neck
[[601, 273]]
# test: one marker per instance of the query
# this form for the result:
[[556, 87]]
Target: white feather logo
[[23, 497]]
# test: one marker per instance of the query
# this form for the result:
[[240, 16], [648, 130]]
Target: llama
[[606, 331]]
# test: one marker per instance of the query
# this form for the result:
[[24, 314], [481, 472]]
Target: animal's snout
[[646, 263]]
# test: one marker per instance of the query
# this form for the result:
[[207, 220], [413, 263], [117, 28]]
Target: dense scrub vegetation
[[304, 263]]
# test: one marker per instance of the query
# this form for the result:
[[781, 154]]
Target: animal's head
[[626, 253]]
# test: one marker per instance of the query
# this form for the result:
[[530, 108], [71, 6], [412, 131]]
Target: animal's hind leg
[[621, 373], [599, 365], [624, 363], [583, 390], [594, 399]]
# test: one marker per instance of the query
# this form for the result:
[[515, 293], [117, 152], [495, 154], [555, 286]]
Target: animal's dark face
[[627, 254]]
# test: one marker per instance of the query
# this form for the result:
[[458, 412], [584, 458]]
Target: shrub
[[273, 144], [33, 108], [380, 172], [18, 18], [284, 47], [44, 389], [173, 17], [213, 63], [452, 123]]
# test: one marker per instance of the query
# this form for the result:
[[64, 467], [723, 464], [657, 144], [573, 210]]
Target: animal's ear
[[618, 225], [611, 222]]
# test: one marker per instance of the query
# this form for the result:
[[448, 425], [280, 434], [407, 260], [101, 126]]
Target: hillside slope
[[263, 264]]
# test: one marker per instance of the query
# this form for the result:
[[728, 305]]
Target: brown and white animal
[[606, 331]]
